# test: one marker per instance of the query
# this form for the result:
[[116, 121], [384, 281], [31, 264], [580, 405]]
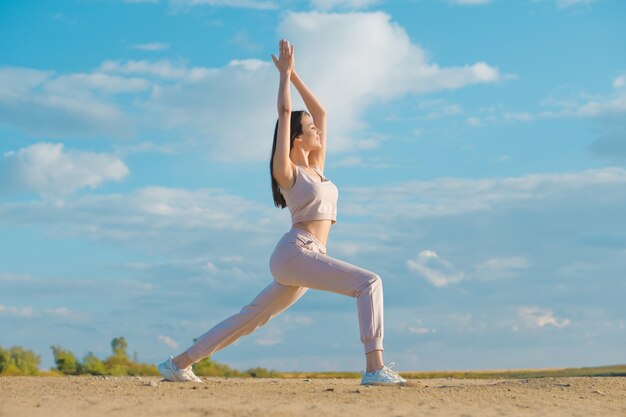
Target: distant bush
[[18, 361], [262, 373], [66, 361], [118, 364], [93, 365], [206, 367]]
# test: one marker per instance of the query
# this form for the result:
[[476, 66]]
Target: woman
[[299, 261]]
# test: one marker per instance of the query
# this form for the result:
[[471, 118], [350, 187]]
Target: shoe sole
[[385, 384]]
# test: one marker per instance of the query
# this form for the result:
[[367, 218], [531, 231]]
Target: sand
[[149, 396]]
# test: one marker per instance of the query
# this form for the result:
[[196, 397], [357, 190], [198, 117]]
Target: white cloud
[[72, 289], [390, 66], [351, 248], [350, 161], [152, 46], [603, 107], [326, 5], [177, 220], [268, 340], [441, 273], [65, 313], [449, 196], [620, 81], [523, 116], [9, 277], [540, 317], [26, 312], [163, 69], [473, 121], [15, 82], [152, 216], [48, 169], [272, 333], [43, 103], [607, 110], [294, 321], [79, 84], [418, 327], [498, 268], [436, 270], [433, 109], [583, 106], [210, 267], [421, 330], [230, 111], [501, 158], [357, 161], [233, 259], [29, 312], [59, 312], [168, 341]]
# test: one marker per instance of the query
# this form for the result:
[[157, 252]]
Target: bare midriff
[[318, 228]]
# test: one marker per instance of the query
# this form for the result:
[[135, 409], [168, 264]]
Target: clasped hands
[[285, 63]]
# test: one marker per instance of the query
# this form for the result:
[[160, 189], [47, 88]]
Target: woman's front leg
[[318, 271]]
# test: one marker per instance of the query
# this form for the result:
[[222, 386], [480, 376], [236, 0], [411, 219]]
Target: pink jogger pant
[[299, 262]]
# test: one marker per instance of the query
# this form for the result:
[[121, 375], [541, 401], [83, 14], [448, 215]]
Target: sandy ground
[[148, 396]]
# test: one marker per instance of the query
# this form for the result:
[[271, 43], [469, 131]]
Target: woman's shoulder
[[295, 171]]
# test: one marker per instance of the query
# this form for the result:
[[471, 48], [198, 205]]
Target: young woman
[[299, 261]]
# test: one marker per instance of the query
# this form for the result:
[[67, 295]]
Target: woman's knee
[[376, 280], [371, 281]]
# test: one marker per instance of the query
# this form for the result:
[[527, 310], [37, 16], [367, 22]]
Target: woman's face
[[311, 135]]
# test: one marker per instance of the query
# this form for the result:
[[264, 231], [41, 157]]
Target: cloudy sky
[[479, 147]]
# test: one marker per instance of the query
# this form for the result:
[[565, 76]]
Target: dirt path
[[147, 396]]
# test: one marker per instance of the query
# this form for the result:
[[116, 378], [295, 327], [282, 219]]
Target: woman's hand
[[285, 64]]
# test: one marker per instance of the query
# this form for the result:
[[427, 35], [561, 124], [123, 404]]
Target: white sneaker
[[382, 376], [170, 372]]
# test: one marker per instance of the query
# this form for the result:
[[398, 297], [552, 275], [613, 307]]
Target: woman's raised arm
[[317, 157], [282, 166]]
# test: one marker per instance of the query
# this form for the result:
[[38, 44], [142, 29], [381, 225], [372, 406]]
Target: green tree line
[[19, 361]]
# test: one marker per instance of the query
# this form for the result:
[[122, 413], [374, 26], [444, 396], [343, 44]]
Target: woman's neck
[[300, 157]]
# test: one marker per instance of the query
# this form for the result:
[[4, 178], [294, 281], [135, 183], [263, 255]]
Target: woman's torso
[[319, 228]]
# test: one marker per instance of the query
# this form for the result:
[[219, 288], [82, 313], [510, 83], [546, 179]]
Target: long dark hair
[[295, 129]]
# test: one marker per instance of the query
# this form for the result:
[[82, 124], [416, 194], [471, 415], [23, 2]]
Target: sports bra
[[308, 199]]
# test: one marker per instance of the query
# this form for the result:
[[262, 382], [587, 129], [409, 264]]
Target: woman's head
[[309, 139], [296, 132]]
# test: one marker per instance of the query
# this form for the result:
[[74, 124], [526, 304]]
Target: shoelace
[[188, 372], [393, 374]]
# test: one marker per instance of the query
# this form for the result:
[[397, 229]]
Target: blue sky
[[479, 148]]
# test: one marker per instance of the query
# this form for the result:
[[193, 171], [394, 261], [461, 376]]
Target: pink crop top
[[310, 199]]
